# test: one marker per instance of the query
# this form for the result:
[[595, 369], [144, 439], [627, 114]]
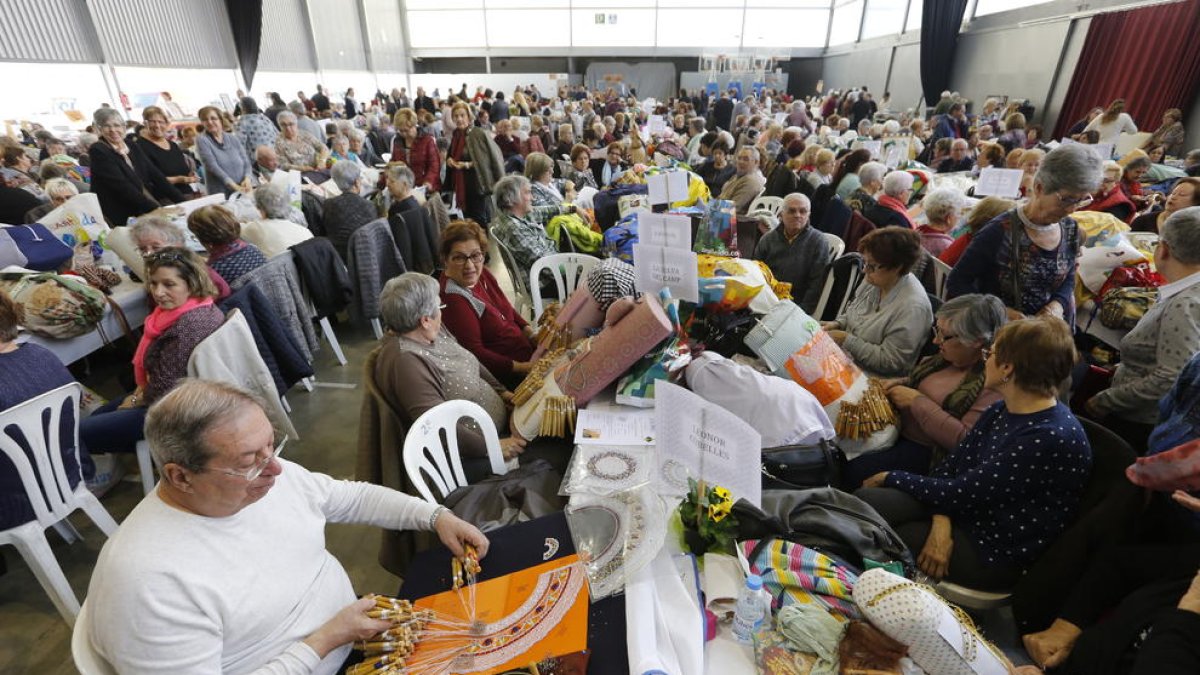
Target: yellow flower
[[716, 513], [722, 494]]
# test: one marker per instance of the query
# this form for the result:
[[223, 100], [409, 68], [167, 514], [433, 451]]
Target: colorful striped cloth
[[796, 574]]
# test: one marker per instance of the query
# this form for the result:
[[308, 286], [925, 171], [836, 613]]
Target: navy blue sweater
[[1014, 482]]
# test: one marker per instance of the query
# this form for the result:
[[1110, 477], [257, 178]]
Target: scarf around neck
[[159, 321], [897, 206]]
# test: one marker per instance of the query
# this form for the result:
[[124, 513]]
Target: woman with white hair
[[942, 207], [348, 211], [798, 117], [892, 201], [299, 150], [1027, 257], [126, 183], [870, 182], [274, 233]]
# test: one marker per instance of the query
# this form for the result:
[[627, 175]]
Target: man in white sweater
[[223, 568]]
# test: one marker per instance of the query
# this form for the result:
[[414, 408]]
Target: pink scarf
[[897, 206], [159, 321]]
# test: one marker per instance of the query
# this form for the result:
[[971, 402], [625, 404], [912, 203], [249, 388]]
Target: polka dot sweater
[[1014, 482]]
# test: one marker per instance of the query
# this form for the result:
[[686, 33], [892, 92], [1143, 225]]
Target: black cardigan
[[120, 186]]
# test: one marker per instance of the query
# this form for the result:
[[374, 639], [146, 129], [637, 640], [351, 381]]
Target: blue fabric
[[1179, 411], [111, 430], [279, 351], [905, 455], [1014, 483]]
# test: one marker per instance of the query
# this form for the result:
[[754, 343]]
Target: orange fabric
[[531, 615], [822, 368]]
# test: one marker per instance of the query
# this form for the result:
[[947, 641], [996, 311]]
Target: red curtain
[[1150, 57]]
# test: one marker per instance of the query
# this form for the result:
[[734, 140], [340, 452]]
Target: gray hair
[[797, 197], [295, 107], [85, 140], [401, 173], [341, 140], [974, 317], [147, 225], [1074, 168], [871, 172], [61, 187], [941, 203], [103, 116], [1181, 232], [406, 299], [891, 127], [286, 115], [345, 175], [896, 182], [508, 191], [752, 150], [272, 200], [178, 424]]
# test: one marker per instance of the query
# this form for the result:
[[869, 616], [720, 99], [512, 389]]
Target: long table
[[130, 296]]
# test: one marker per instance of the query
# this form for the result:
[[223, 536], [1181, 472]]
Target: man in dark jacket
[[320, 101], [722, 112]]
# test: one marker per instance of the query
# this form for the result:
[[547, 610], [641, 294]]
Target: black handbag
[[796, 467]]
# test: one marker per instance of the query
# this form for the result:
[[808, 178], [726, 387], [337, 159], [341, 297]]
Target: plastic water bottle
[[750, 609]]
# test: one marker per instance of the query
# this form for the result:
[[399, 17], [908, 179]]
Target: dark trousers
[[905, 455], [112, 430], [1136, 434], [912, 520]]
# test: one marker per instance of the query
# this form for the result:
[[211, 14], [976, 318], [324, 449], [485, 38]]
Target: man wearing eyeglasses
[[223, 568]]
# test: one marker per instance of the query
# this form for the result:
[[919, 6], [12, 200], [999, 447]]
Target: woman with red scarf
[[1110, 198], [184, 314], [897, 190]]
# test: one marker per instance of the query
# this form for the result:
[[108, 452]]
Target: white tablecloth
[[129, 296]]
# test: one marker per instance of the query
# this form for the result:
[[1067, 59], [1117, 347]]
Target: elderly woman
[[581, 174], [339, 151], [476, 310], [870, 182], [227, 167], [151, 234], [824, 163], [944, 395], [474, 165], [1027, 256], [254, 127], [218, 230], [125, 181], [1163, 340], [163, 152], [19, 172], [413, 229], [1030, 162], [845, 178], [1185, 193], [226, 507], [887, 323], [991, 155], [416, 150], [981, 214], [566, 142], [1134, 166], [274, 233], [1171, 134], [349, 210], [1110, 198], [420, 365], [299, 150], [359, 146], [892, 201], [58, 191], [942, 208], [548, 194], [183, 315], [516, 225], [717, 171], [1014, 132], [1013, 484]]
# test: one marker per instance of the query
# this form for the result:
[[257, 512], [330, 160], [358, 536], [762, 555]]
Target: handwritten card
[[666, 230], [667, 187], [999, 182], [658, 267], [704, 441]]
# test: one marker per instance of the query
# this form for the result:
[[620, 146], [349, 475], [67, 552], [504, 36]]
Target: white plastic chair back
[[519, 282], [87, 661], [772, 204], [431, 447], [569, 270], [941, 273], [854, 277], [836, 244]]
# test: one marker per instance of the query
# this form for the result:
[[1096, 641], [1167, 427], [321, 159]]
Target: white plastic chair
[[941, 273], [772, 204], [87, 661], [524, 299], [434, 436], [145, 466], [58, 500], [569, 270], [836, 244]]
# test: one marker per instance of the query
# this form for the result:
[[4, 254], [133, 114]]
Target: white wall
[[505, 82]]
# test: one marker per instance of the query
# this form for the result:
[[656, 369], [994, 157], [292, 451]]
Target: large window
[[914, 15], [446, 28], [847, 18], [884, 17], [529, 27], [985, 7], [683, 27], [631, 27], [785, 28]]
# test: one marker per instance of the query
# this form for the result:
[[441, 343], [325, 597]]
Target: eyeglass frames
[[255, 471]]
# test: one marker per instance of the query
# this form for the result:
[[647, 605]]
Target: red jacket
[[497, 336], [422, 158]]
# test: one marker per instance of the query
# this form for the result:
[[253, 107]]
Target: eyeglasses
[[460, 259], [937, 332], [987, 352], [255, 471], [166, 255], [872, 267], [1075, 202]]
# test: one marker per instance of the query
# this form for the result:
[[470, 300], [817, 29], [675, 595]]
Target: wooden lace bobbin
[[872, 413], [536, 377]]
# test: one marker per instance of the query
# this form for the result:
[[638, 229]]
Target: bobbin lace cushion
[[616, 535], [605, 469]]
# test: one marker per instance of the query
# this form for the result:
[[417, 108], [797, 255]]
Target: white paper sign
[[609, 427], [657, 125], [667, 187], [668, 231], [706, 442], [657, 267], [874, 147], [1105, 150], [999, 182]]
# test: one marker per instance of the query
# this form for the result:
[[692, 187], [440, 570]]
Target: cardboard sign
[[667, 187]]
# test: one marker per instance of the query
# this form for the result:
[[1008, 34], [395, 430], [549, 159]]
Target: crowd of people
[[991, 465]]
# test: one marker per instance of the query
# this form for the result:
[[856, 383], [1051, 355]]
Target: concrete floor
[[33, 636]]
